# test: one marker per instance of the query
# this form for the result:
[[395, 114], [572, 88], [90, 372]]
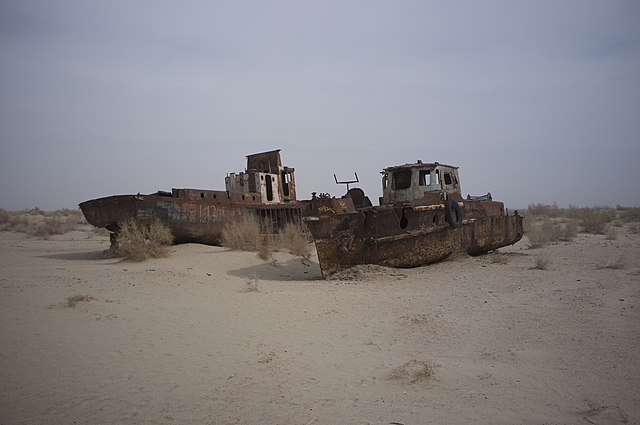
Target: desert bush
[[594, 220], [243, 234], [570, 230], [5, 216], [249, 234], [542, 232], [141, 241], [612, 233], [296, 238]]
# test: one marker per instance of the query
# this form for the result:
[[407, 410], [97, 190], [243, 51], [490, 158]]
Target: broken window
[[385, 180], [285, 183], [425, 178], [402, 179], [447, 178]]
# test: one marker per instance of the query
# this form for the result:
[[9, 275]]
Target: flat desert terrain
[[214, 336]]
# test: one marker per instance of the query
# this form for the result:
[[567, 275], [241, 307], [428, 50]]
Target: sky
[[535, 101]]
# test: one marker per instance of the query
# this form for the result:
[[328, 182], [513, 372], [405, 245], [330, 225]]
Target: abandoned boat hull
[[190, 220], [405, 237], [265, 190]]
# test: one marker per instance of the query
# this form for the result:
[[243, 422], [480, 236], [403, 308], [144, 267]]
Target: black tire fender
[[453, 213]]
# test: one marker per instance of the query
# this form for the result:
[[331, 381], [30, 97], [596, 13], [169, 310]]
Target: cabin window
[[402, 179], [385, 181], [425, 178], [447, 178], [286, 180]]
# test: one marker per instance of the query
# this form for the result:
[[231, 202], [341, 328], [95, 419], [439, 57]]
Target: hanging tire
[[452, 213]]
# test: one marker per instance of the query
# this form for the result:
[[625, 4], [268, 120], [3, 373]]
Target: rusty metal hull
[[190, 220], [408, 236]]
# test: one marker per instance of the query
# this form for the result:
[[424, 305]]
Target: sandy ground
[[181, 340]]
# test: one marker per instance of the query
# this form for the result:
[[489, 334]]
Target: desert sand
[[214, 336]]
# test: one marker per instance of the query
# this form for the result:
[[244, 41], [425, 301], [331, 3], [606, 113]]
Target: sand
[[213, 336]]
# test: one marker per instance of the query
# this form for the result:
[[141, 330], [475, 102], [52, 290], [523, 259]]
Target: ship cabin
[[265, 178], [420, 184]]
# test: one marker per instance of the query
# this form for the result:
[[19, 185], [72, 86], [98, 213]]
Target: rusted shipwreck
[[422, 218], [265, 190]]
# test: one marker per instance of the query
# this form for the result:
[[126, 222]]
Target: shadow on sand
[[81, 256], [291, 270]]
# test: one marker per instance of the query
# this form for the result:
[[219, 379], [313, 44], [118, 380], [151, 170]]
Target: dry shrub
[[612, 233], [73, 300], [141, 241], [243, 234], [570, 230], [249, 235], [542, 232], [265, 251], [543, 210], [594, 220], [5, 216], [634, 228], [412, 371], [296, 238]]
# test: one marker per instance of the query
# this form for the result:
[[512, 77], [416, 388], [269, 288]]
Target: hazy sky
[[536, 101]]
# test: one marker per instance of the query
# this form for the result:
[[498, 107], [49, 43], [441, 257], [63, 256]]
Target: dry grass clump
[[542, 231], [249, 234], [594, 220], [73, 300], [412, 371], [612, 234], [243, 234], [141, 241], [296, 238]]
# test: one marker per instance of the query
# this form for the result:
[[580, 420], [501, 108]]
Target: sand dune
[[185, 340]]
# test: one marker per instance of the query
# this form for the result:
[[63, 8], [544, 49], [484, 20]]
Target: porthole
[[201, 195]]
